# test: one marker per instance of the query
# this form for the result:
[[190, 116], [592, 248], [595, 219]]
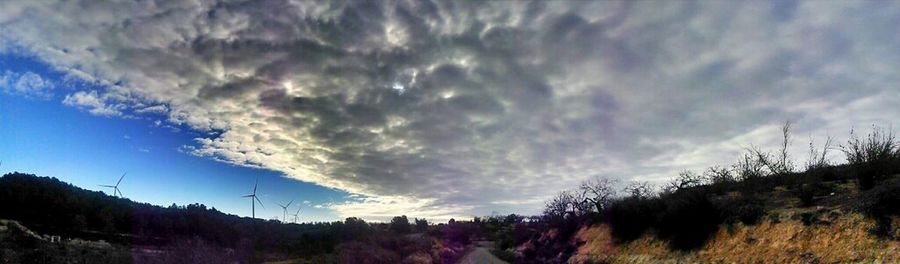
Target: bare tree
[[581, 203], [640, 189], [719, 174], [784, 164], [564, 203], [686, 179], [599, 192]]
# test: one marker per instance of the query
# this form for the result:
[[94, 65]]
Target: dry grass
[[846, 240]]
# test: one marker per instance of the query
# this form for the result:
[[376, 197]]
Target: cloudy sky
[[431, 109]]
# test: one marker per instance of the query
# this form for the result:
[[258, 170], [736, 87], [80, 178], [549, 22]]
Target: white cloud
[[93, 103], [156, 109], [27, 84], [502, 103]]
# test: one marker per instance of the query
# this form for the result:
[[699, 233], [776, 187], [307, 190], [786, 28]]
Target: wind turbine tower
[[285, 207], [254, 199], [296, 215]]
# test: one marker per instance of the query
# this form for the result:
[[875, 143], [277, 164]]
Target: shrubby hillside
[[763, 208], [69, 224]]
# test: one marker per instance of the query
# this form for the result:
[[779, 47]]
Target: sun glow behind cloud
[[449, 109]]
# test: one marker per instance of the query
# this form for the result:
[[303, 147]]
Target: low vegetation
[[873, 158], [760, 189]]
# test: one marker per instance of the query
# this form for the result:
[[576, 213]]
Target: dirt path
[[481, 254]]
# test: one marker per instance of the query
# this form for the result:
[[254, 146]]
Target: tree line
[[50, 206]]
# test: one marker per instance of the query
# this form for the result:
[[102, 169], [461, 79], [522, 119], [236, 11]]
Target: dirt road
[[481, 254]]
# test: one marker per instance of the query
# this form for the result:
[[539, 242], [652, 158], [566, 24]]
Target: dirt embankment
[[843, 239]]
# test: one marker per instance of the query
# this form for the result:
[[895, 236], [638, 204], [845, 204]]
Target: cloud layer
[[443, 109]]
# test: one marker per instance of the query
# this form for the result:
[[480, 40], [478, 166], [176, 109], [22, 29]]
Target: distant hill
[[45, 220], [52, 207]]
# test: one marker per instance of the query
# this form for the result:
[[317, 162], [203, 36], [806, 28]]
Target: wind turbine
[[297, 213], [285, 207], [254, 199], [116, 191]]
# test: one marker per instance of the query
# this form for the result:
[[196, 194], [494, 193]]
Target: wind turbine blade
[[107, 186], [298, 211], [120, 179], [245, 196], [260, 202], [120, 193], [289, 203], [255, 185]]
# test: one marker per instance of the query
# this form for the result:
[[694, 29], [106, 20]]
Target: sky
[[433, 109]]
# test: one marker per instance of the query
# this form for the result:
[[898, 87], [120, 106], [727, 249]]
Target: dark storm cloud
[[445, 108]]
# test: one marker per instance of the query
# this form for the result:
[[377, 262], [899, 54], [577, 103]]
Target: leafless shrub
[[778, 163], [878, 145], [808, 184], [872, 157], [818, 158], [751, 165], [719, 174]]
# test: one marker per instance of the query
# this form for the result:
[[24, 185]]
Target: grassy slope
[[844, 240], [839, 236]]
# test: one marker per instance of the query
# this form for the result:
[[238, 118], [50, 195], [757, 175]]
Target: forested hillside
[[71, 224]]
